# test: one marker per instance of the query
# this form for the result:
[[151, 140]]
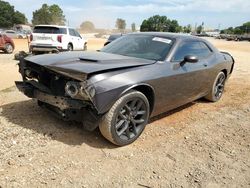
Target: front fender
[[104, 101]]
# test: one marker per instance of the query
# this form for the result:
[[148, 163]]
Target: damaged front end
[[67, 97]]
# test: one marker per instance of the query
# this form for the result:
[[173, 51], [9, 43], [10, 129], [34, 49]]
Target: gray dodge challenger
[[120, 87]]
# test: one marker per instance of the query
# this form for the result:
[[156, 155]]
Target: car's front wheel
[[126, 119], [85, 47], [217, 89], [8, 48]]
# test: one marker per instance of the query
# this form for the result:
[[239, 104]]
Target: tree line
[[243, 29], [53, 14], [45, 15], [9, 16]]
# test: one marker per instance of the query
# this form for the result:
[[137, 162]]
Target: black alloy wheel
[[130, 119], [216, 91], [126, 119], [219, 86]]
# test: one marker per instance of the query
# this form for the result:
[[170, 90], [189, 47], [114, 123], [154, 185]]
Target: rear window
[[50, 30]]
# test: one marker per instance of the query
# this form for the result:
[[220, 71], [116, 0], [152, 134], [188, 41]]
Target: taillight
[[31, 37], [59, 38]]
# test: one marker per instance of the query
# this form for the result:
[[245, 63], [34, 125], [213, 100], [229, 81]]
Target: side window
[[71, 32], [63, 31], [195, 48], [205, 51], [77, 34]]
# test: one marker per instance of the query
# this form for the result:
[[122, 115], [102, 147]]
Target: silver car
[[14, 34]]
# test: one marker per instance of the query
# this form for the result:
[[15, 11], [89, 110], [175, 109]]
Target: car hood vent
[[88, 59]]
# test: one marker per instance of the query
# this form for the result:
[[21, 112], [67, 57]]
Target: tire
[[217, 89], [8, 48], [85, 47], [70, 47], [126, 119]]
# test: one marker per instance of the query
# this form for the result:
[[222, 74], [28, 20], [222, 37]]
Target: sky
[[216, 14]]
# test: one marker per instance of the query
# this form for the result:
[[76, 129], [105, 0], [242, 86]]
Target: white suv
[[54, 38]]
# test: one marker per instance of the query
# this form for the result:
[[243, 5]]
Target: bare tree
[[120, 24]]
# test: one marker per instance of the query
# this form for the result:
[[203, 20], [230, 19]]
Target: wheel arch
[[71, 44], [225, 72], [147, 90]]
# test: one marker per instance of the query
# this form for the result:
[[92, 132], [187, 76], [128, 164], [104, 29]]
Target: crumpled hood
[[79, 64]]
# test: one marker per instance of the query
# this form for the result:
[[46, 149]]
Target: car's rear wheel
[[70, 47], [217, 90], [8, 48], [126, 119]]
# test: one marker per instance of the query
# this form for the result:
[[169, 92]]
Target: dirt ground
[[199, 145]]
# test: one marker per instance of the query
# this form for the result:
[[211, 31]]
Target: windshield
[[113, 37], [140, 46]]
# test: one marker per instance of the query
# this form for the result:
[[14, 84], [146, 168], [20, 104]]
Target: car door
[[79, 41], [184, 81], [73, 39]]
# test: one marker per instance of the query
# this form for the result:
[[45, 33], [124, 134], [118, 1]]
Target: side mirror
[[191, 59]]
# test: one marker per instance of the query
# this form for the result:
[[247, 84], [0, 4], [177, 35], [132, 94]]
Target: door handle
[[205, 64]]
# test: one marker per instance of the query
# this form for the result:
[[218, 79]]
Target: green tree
[[174, 26], [87, 26], [161, 24], [246, 27], [240, 30], [187, 29], [199, 29], [133, 27], [48, 15], [57, 15], [120, 24], [9, 17], [19, 18], [155, 23]]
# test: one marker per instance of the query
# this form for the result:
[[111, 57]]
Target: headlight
[[79, 90], [28, 73], [71, 89], [87, 90], [91, 91]]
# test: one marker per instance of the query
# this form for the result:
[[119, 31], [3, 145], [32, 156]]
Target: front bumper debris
[[61, 102], [64, 108]]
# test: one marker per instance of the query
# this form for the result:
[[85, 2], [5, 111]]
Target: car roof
[[168, 35], [177, 37], [58, 26], [9, 30]]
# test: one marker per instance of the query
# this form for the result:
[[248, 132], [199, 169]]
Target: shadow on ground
[[29, 115]]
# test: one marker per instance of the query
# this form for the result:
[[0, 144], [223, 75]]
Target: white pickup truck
[[54, 38]]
